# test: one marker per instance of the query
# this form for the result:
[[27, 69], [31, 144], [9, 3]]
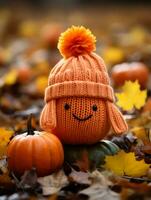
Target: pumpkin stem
[[29, 126]]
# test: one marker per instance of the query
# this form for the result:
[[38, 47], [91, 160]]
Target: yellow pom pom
[[76, 41]]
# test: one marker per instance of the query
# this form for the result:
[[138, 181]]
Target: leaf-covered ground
[[115, 168]]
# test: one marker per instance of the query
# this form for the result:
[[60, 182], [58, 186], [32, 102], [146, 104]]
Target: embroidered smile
[[82, 119]]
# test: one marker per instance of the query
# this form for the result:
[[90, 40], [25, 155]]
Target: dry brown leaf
[[53, 183], [5, 180], [141, 187], [80, 177], [100, 192]]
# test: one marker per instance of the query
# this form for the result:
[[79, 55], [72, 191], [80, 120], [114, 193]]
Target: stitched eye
[[94, 107], [66, 106]]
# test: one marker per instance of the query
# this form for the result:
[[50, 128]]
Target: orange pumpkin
[[130, 71], [33, 149]]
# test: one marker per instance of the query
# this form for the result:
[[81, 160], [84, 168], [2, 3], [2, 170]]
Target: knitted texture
[[79, 99], [79, 76], [75, 115]]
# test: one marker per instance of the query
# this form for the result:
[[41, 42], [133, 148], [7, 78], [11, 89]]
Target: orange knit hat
[[81, 73]]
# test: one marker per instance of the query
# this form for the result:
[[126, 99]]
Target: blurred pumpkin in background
[[130, 71]]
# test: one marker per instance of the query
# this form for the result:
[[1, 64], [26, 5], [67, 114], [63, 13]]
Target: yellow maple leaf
[[131, 96], [4, 139], [126, 164]]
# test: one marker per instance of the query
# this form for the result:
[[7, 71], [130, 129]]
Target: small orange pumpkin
[[40, 150]]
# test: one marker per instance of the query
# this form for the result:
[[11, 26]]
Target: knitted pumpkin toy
[[79, 100]]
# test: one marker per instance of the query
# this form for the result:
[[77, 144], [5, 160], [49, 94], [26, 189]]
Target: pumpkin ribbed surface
[[42, 151]]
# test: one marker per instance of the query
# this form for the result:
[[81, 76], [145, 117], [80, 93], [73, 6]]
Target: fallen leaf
[[147, 106], [53, 197], [53, 183], [5, 180], [127, 183], [143, 134], [100, 187], [100, 177], [7, 184], [141, 119], [19, 196], [132, 96], [125, 141], [126, 164], [28, 181], [99, 192], [80, 177], [5, 136], [3, 165]]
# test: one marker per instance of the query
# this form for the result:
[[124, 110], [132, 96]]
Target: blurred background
[[29, 32], [46, 3]]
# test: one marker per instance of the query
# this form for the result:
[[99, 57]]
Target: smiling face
[[81, 120]]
